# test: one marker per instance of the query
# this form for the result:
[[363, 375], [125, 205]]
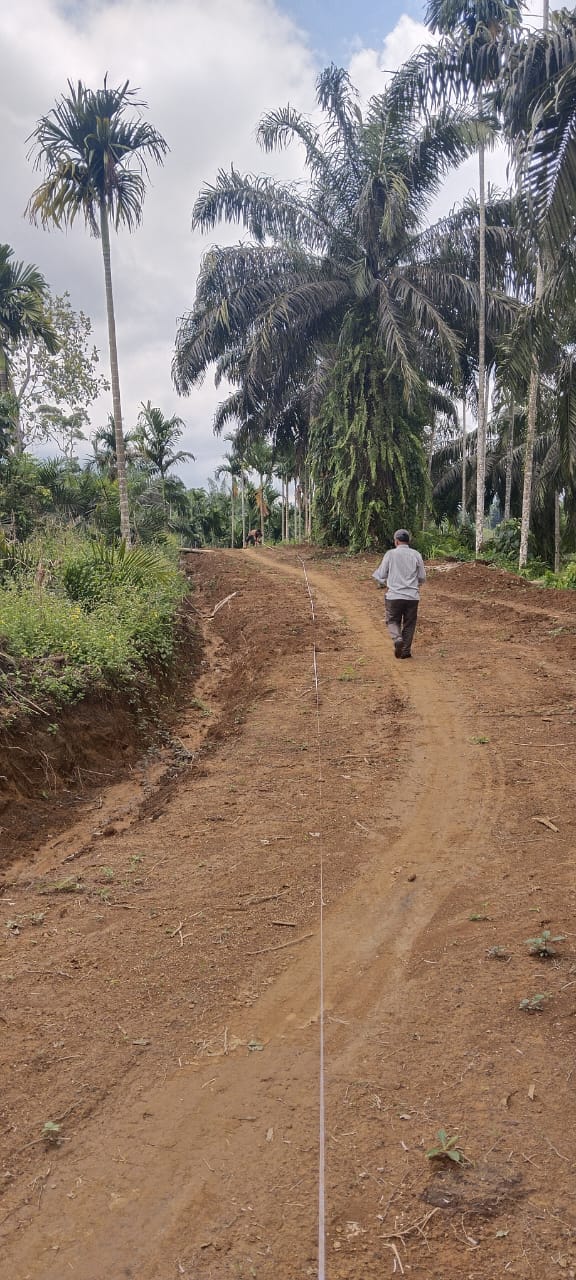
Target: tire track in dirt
[[172, 1197]]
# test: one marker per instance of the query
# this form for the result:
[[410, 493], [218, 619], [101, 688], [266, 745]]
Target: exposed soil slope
[[159, 966]]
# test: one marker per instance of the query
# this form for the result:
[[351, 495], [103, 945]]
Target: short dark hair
[[402, 535]]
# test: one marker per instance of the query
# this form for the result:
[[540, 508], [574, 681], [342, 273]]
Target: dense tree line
[[360, 341], [346, 322]]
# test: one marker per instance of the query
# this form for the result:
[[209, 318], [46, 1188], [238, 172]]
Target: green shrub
[[568, 575], [506, 540], [446, 542], [105, 613], [99, 572]]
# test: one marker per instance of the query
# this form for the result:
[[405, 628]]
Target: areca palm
[[103, 444], [232, 467], [346, 257], [156, 437], [23, 314], [95, 160]]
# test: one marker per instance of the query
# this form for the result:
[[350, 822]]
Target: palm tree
[[94, 160], [23, 316], [259, 457], [103, 444], [155, 437], [345, 258], [539, 104], [231, 467], [540, 114], [467, 62]]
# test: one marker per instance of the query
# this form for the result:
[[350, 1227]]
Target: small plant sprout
[[543, 945], [482, 914], [446, 1149], [498, 953], [51, 1133], [534, 1004]]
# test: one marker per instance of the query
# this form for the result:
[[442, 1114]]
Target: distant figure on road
[[402, 570], [254, 538]]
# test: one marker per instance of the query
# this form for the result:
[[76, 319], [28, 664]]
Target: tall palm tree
[[23, 316], [95, 160], [347, 256], [466, 64], [540, 114]]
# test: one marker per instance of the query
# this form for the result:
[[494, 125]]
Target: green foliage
[[155, 438], [102, 614], [17, 560], [454, 542], [105, 570], [366, 453], [568, 575], [446, 1149], [55, 388], [51, 1133], [498, 953], [543, 945], [506, 540], [534, 1004]]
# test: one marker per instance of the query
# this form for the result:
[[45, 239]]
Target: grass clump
[[97, 614]]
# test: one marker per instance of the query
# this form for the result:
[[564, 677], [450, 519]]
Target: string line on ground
[[321, 1089]]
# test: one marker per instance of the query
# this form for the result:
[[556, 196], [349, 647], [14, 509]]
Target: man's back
[[403, 570]]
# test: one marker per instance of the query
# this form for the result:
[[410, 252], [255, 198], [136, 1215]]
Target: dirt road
[[159, 962]]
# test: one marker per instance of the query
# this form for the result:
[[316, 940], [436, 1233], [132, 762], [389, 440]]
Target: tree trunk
[[114, 379], [232, 515], [532, 409], [530, 438], [243, 507], [481, 437], [556, 532], [262, 506], [509, 454], [464, 461]]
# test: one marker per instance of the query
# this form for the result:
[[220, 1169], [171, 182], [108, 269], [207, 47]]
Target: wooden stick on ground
[[293, 942]]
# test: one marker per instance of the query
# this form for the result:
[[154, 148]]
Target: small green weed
[[446, 1149], [51, 1133], [534, 1004], [199, 705], [498, 953], [71, 885], [479, 740], [482, 914], [543, 945]]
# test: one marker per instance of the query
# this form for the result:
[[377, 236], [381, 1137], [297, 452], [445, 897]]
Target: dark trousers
[[401, 617]]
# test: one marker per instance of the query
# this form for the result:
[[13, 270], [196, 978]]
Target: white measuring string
[[322, 1116]]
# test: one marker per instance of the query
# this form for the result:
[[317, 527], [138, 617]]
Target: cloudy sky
[[208, 69]]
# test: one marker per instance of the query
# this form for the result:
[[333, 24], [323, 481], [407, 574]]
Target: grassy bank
[[77, 614]]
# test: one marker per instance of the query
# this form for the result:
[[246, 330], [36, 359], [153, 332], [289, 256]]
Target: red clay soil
[[159, 960]]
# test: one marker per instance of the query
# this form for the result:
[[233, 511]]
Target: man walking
[[402, 570]]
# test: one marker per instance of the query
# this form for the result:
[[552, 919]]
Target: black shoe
[[398, 647], [405, 655]]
